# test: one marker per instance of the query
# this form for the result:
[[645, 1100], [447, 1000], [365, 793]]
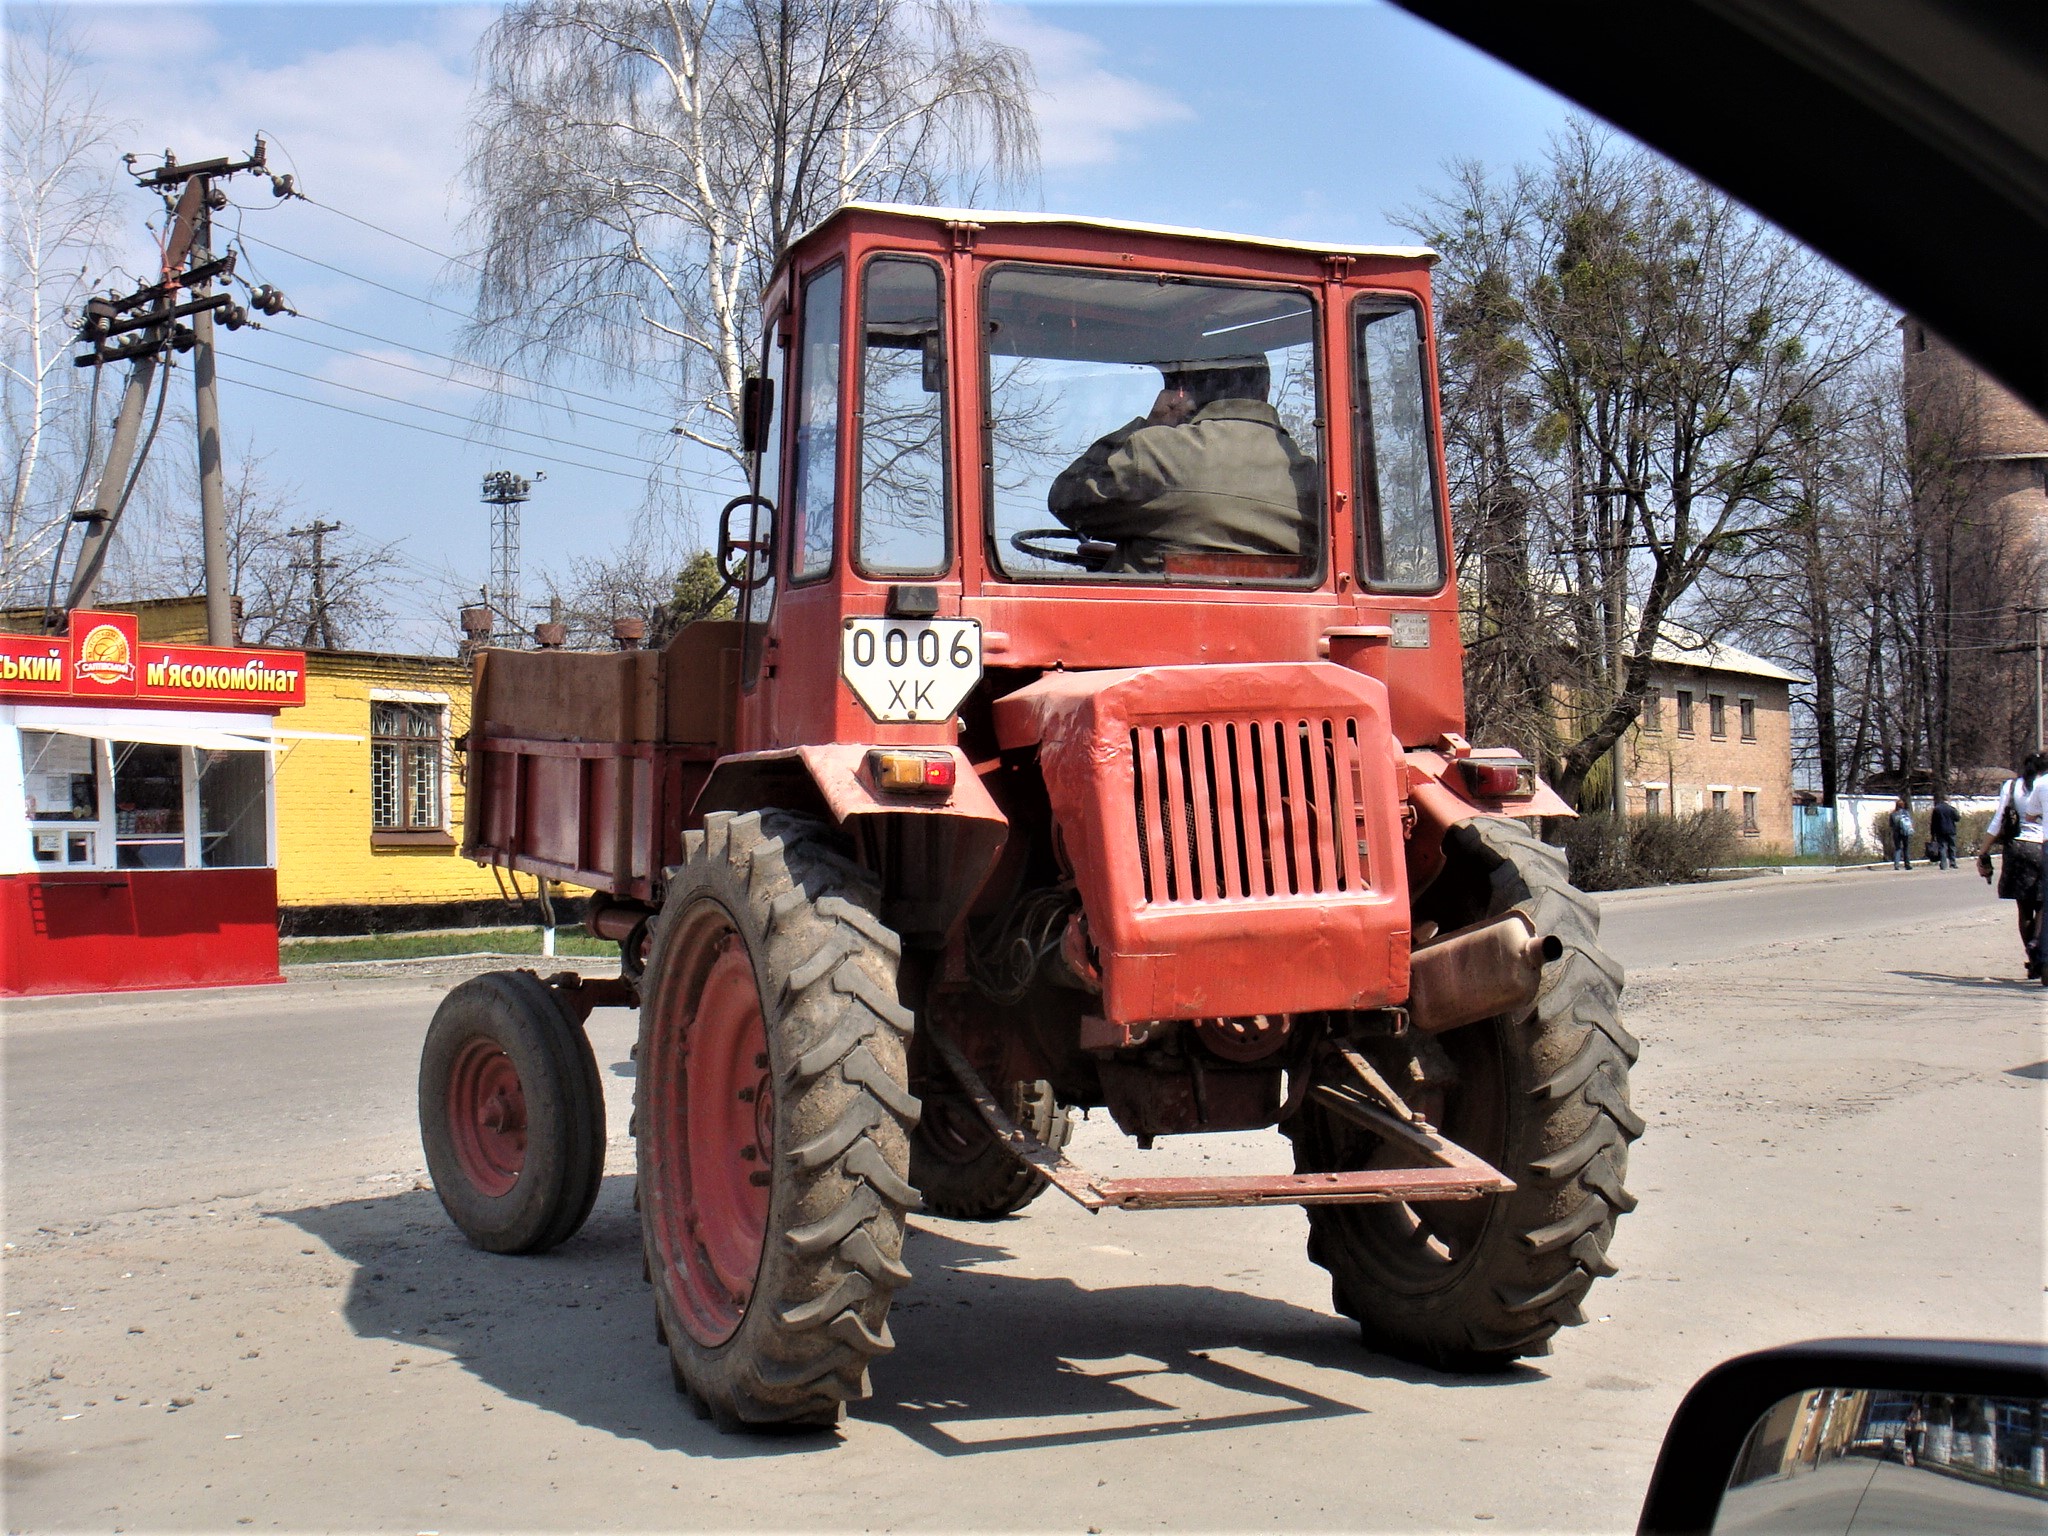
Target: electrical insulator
[[234, 317], [268, 300]]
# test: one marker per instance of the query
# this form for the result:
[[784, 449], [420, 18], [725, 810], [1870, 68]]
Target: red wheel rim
[[487, 1116], [710, 1091]]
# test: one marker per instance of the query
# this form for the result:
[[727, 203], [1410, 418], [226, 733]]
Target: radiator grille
[[1248, 810]]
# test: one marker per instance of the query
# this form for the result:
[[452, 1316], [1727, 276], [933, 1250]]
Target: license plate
[[906, 670]]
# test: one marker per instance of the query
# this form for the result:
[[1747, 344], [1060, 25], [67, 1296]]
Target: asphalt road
[[232, 1300]]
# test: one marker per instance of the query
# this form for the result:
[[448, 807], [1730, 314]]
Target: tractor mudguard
[[932, 852], [1441, 795]]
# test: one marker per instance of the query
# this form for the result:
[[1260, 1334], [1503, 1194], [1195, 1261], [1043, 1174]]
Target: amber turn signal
[[924, 772]]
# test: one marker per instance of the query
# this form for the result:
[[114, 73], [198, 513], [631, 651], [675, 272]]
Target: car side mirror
[[757, 414], [1878, 1434]]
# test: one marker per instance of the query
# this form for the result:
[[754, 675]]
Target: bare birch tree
[[637, 166], [57, 210]]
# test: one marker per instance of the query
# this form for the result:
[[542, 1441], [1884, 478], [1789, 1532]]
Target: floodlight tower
[[506, 492]]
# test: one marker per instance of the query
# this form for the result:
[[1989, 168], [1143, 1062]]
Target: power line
[[443, 357], [460, 314], [412, 405], [457, 437], [428, 373], [393, 234]]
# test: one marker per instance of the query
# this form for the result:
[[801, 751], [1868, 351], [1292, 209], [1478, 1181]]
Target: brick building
[[367, 827], [1715, 734]]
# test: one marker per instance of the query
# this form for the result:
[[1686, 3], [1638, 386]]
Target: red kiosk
[[142, 852]]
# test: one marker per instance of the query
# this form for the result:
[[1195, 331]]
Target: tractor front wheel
[[1473, 1284], [511, 1114], [773, 1118]]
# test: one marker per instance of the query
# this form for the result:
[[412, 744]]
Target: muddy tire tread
[[826, 966]]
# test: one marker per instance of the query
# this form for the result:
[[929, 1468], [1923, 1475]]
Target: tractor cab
[[1099, 444]]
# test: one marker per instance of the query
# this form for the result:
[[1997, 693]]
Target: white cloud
[[374, 125], [1084, 109]]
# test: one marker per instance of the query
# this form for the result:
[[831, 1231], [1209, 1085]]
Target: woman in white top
[[2020, 876]]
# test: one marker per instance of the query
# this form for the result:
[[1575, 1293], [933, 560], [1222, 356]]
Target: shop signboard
[[102, 660]]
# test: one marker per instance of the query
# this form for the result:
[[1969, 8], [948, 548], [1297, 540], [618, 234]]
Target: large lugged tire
[[511, 1114], [773, 1120], [1471, 1285], [964, 1172]]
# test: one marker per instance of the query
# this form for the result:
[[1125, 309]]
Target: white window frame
[[434, 696]]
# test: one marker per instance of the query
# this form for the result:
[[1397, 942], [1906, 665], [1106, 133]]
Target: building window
[[1721, 800], [1653, 802], [1685, 711], [1749, 811], [1653, 708], [1748, 709], [149, 806], [1717, 716], [405, 766]]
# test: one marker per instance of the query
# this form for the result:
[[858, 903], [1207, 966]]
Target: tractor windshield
[[1151, 427]]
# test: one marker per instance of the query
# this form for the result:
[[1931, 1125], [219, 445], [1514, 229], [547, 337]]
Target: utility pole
[[318, 625], [152, 321], [507, 492]]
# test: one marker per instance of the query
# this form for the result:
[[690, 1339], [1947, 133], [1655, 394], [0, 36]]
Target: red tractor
[[1090, 734]]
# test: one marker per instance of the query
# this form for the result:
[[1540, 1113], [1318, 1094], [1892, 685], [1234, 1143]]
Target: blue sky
[[1315, 121]]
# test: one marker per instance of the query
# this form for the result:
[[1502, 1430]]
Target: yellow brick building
[[367, 828]]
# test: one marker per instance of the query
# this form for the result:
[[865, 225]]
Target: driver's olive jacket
[[1230, 478]]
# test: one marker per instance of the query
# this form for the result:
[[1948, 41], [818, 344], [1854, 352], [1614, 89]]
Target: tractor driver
[[1210, 469]]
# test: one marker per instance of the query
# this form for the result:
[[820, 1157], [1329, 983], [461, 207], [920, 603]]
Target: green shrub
[[1648, 850]]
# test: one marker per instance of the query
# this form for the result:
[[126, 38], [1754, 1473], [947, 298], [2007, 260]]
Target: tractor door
[[790, 615], [857, 470]]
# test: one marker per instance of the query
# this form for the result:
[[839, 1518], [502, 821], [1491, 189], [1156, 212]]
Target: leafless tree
[[637, 166], [1665, 346], [269, 566], [57, 210]]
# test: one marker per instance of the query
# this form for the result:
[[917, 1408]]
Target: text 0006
[[911, 669]]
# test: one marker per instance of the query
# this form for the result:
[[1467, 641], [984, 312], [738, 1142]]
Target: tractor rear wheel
[[1472, 1285], [511, 1114], [964, 1172], [773, 1118]]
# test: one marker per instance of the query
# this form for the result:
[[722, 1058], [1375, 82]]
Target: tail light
[[1499, 778], [912, 772]]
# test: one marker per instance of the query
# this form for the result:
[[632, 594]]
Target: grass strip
[[414, 946]]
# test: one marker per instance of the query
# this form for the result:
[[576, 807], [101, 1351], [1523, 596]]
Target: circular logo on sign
[[103, 658]]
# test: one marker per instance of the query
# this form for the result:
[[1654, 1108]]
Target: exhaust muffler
[[1478, 973]]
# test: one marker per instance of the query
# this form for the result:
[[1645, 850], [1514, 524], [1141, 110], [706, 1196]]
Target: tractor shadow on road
[[987, 1359], [570, 1331]]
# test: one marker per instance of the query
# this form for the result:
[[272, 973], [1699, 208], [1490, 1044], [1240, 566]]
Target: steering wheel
[[1089, 554]]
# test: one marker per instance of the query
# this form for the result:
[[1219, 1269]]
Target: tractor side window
[[1397, 499], [814, 450], [1150, 427], [760, 602], [902, 421]]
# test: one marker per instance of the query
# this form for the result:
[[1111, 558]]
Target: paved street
[[231, 1299]]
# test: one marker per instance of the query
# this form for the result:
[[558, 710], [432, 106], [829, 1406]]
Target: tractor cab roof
[[941, 218]]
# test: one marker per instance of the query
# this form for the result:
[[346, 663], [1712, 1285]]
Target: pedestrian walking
[[1902, 835], [1942, 822], [2019, 875]]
